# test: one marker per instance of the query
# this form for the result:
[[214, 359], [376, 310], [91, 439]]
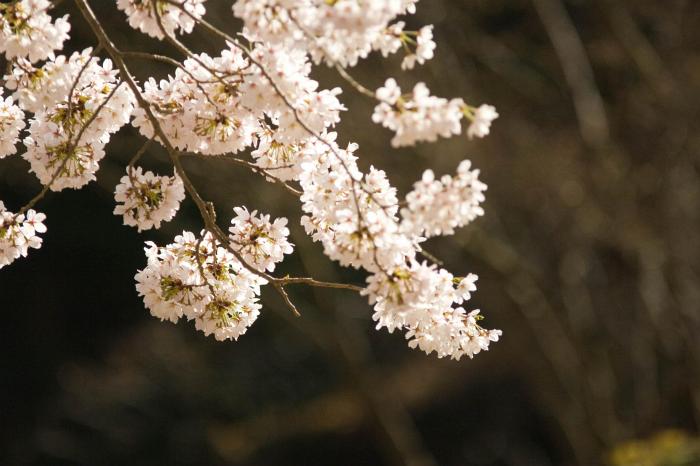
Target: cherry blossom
[[26, 30], [196, 278], [338, 32], [418, 117], [38, 88], [145, 200], [420, 298], [149, 15], [18, 234], [437, 207], [66, 141], [11, 123], [260, 242], [254, 97], [481, 119], [425, 48]]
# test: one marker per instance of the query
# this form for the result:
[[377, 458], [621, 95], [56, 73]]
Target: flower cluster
[[354, 216], [261, 243], [18, 233], [257, 97], [418, 117], [145, 199], [67, 138], [437, 207], [152, 17], [39, 87], [420, 298], [279, 159], [11, 123], [197, 278], [423, 117], [222, 105], [424, 48], [481, 118], [26, 30], [335, 32]]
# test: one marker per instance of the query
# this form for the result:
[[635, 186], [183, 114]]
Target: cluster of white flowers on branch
[[260, 242], [334, 32], [167, 20], [26, 30], [256, 96], [423, 117], [18, 233], [69, 135], [145, 200], [202, 281], [11, 123], [437, 207]]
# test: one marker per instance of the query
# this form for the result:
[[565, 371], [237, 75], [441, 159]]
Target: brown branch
[[354, 83], [319, 284], [246, 163]]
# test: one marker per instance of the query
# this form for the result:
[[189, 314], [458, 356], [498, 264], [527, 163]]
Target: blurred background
[[588, 258]]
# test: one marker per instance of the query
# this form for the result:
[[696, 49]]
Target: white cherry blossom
[[338, 32], [11, 123], [66, 141], [196, 278], [142, 16], [19, 233], [26, 30], [256, 95], [481, 119], [425, 49], [261, 243], [437, 207], [145, 200], [418, 117]]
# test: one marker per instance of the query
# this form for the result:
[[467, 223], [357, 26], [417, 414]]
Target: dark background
[[588, 257]]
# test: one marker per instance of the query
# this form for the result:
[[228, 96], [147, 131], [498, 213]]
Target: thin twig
[[354, 83], [245, 163]]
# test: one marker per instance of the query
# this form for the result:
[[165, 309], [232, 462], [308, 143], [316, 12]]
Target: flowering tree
[[256, 96]]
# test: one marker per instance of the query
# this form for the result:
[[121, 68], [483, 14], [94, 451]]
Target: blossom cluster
[[18, 233], [39, 87], [199, 279], [156, 17], [257, 97], [11, 123], [336, 32], [223, 104], [26, 30], [424, 47], [261, 243], [437, 207], [66, 139], [420, 298], [423, 117], [355, 216], [279, 159], [145, 200]]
